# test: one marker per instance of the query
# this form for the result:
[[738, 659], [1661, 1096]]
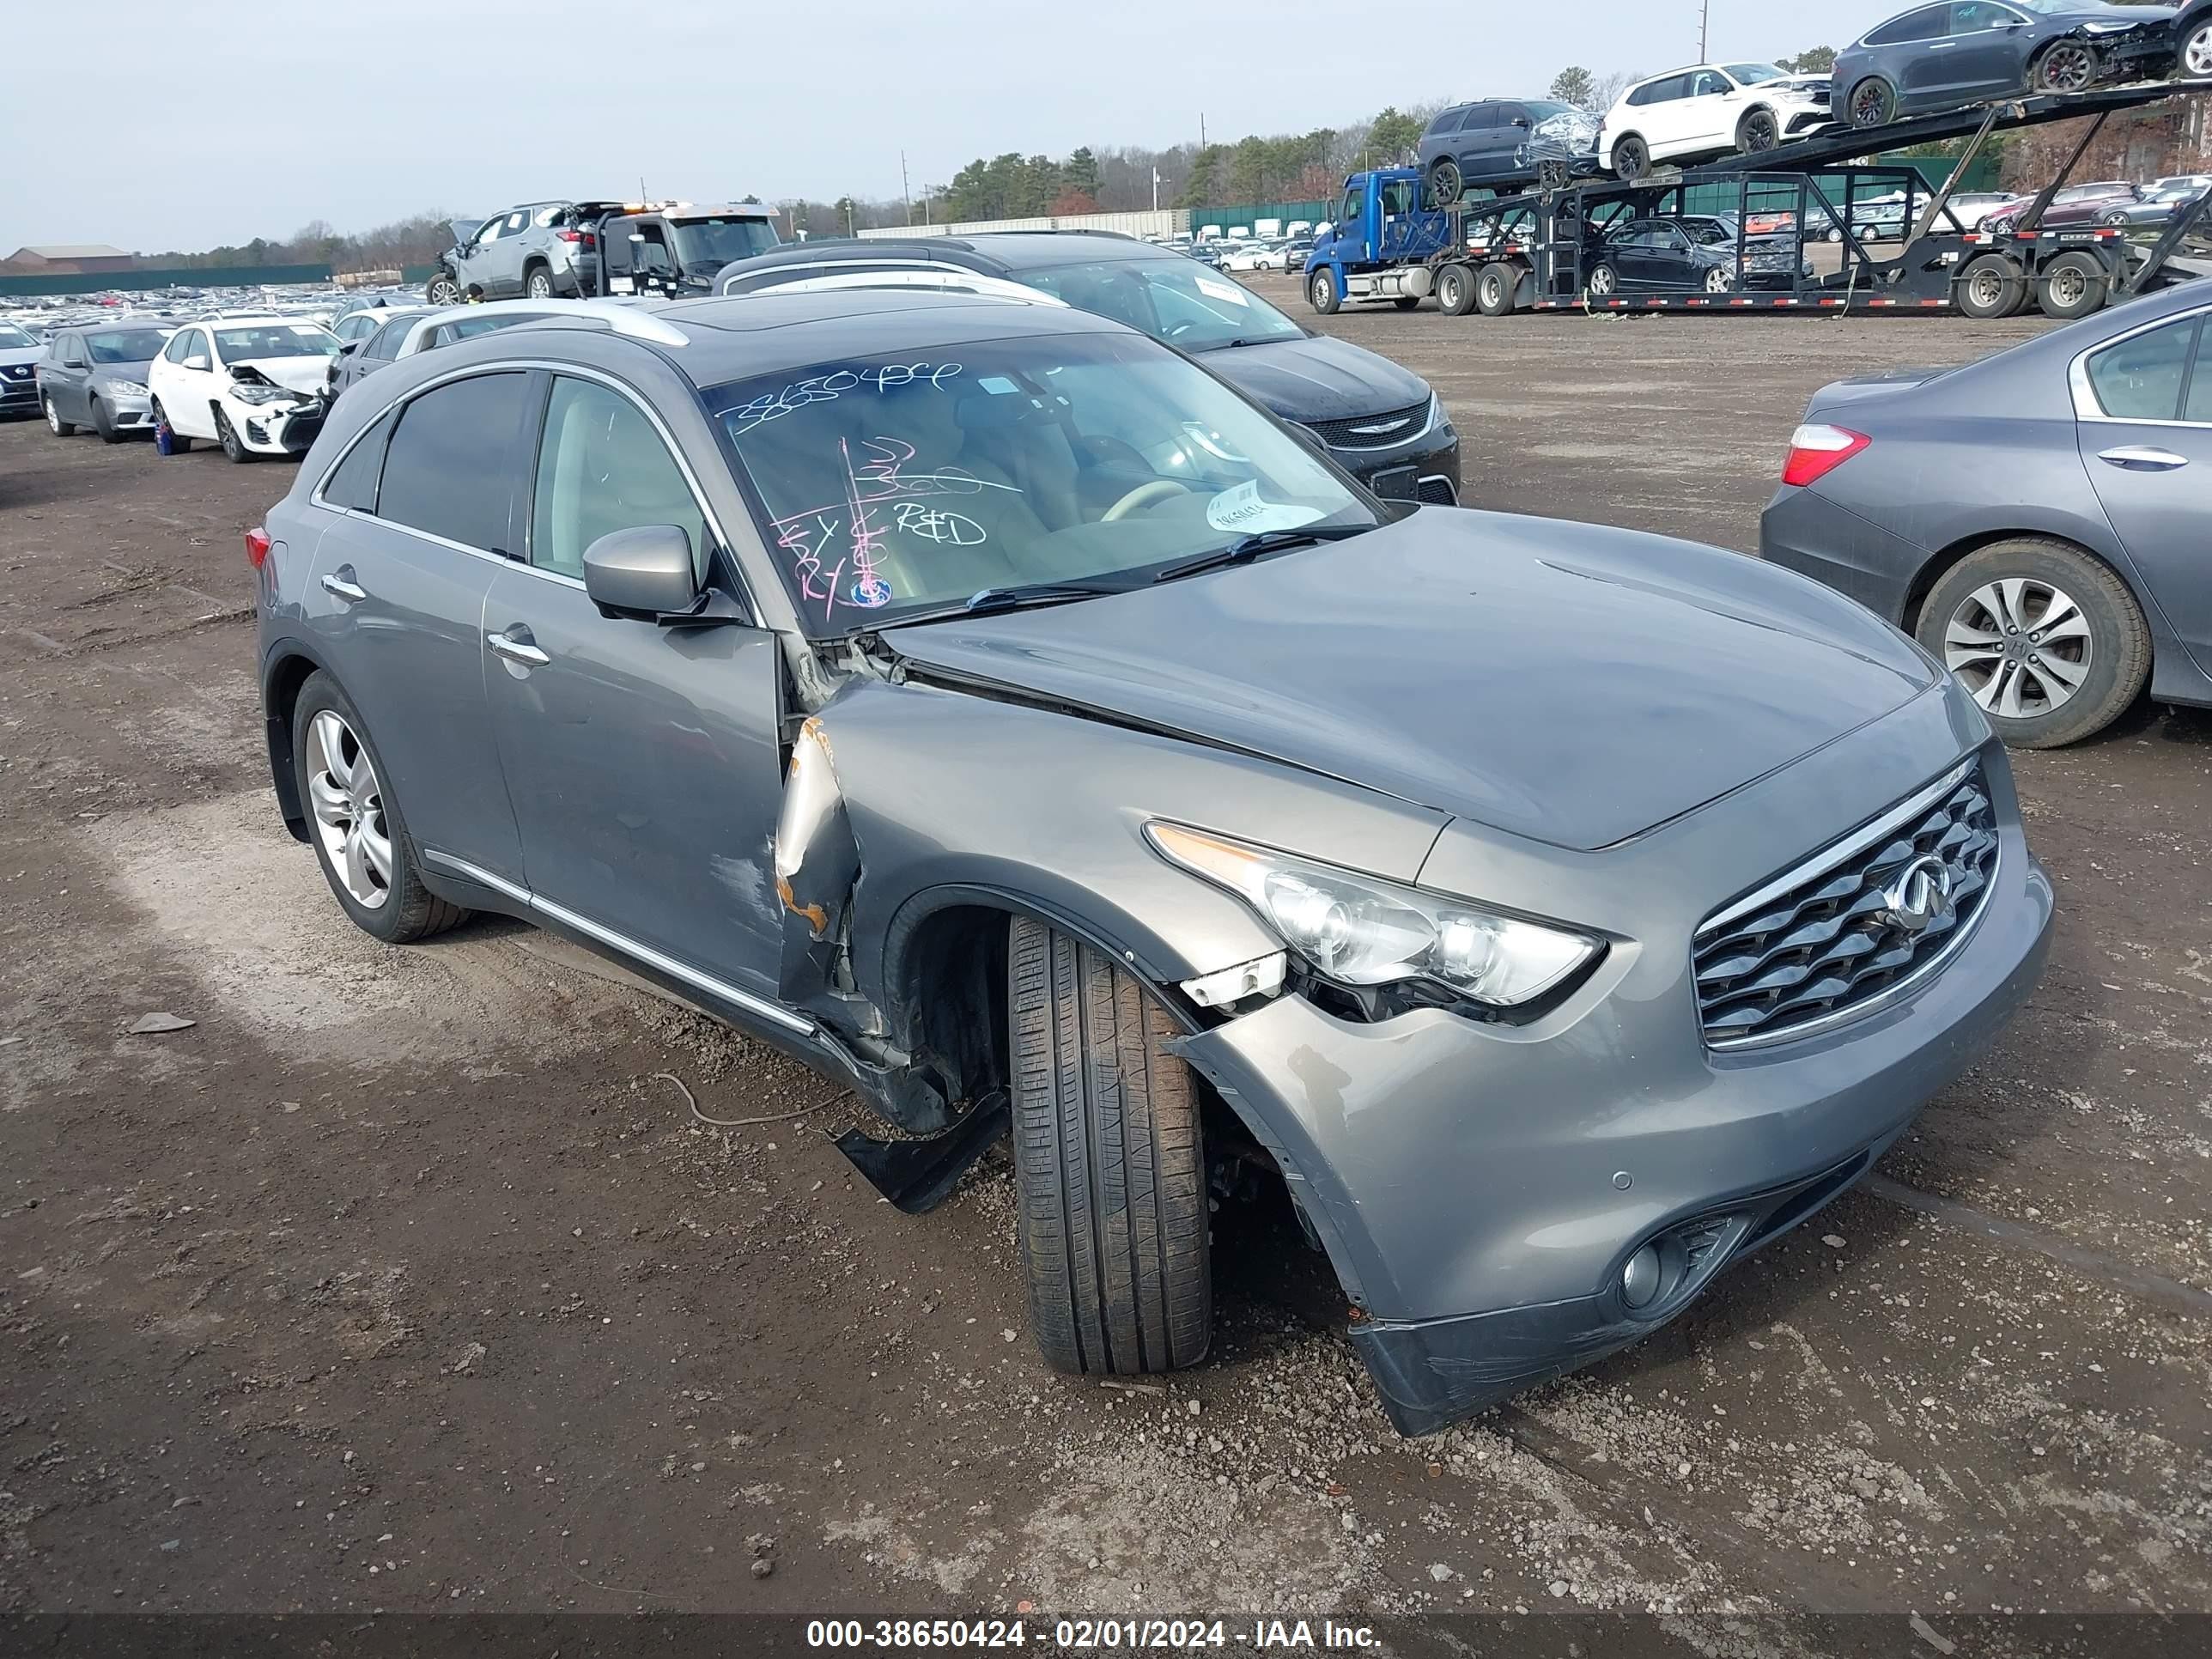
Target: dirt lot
[[401, 1280]]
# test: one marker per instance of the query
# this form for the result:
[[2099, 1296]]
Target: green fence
[[132, 282], [1229, 217]]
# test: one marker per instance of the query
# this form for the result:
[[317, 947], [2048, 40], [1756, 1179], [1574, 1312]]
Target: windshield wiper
[[1251, 547], [991, 600]]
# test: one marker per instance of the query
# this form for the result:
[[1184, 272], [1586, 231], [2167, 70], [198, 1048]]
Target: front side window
[[2139, 378], [181, 345], [891, 485], [1973, 17], [450, 466], [385, 346], [1706, 82], [602, 467], [1355, 207]]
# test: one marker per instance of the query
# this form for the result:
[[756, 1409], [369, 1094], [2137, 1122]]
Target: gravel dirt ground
[[402, 1279]]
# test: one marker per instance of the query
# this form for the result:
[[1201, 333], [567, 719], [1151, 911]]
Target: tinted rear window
[[450, 466]]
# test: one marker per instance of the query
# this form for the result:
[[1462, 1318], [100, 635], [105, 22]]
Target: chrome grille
[[1827, 942], [1391, 426]]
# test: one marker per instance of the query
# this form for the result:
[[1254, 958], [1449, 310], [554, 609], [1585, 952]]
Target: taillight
[[1817, 451], [257, 546], [568, 235]]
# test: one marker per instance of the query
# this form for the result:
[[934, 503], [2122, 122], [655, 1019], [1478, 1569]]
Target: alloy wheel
[[2196, 54], [348, 803], [1870, 105], [53, 418], [445, 291], [1600, 282], [2020, 646], [1760, 133], [1719, 280], [541, 285], [2068, 67]]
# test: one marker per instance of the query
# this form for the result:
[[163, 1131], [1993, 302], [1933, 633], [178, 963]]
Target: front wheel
[[1632, 158], [1604, 281], [1758, 131], [1719, 280], [1873, 103], [2193, 62], [1109, 1165], [234, 446], [354, 825], [1445, 184], [104, 424], [55, 424], [2072, 285], [442, 289], [2047, 640], [1321, 294], [2065, 66]]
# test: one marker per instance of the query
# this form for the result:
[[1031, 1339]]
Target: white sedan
[[1253, 256], [254, 384]]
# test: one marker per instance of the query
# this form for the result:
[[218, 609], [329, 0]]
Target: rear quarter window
[[2139, 378]]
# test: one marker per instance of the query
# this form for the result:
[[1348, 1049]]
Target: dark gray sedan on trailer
[[2037, 520], [982, 701]]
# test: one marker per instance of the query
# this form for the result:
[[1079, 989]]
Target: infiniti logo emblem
[[1920, 894]]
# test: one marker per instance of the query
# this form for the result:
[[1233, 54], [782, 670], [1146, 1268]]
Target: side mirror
[[645, 572], [351, 346], [1520, 120]]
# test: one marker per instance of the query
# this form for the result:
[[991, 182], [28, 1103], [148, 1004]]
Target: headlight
[[2114, 27], [260, 394], [1361, 930], [126, 389]]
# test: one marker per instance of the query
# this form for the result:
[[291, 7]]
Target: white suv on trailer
[[1706, 110]]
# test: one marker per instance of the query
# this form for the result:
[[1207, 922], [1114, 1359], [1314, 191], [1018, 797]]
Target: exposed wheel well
[[285, 680], [1924, 580], [953, 985]]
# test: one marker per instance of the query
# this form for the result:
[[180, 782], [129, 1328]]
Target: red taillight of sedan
[[1817, 451], [257, 546]]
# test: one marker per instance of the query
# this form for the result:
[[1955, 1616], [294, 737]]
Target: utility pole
[[1156, 189], [1704, 16], [905, 188], [1202, 129]]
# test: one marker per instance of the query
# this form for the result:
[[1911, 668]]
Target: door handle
[[2142, 458], [516, 650], [349, 590]]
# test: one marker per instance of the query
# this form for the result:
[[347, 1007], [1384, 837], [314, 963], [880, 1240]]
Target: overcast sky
[[245, 117]]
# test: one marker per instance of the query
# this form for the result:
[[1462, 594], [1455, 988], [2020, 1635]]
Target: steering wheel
[[1143, 495]]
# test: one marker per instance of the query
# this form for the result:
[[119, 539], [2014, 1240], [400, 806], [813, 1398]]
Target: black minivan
[[1506, 142]]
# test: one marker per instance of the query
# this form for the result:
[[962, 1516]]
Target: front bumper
[[277, 429], [18, 397], [1481, 1189], [1425, 468]]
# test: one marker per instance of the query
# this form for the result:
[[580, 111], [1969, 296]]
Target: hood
[[1572, 683], [463, 230], [134, 373], [11, 356], [1317, 378], [294, 374]]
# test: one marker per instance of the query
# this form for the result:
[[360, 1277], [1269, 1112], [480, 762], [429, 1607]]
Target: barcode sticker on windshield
[[1241, 509]]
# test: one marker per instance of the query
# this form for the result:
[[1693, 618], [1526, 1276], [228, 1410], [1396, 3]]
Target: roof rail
[[938, 278], [621, 316]]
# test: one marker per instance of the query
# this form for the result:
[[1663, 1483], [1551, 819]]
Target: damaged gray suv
[[983, 703]]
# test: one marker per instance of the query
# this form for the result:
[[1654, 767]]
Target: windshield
[[276, 340], [1170, 299], [12, 337], [713, 243], [894, 486], [1544, 111], [1752, 74], [126, 345]]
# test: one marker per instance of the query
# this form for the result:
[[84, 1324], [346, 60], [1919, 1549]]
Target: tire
[[2192, 59], [1603, 281], [104, 424], [1632, 158], [1408, 302], [1554, 176], [1719, 280], [2109, 660], [1990, 287], [1835, 233], [538, 284], [1456, 291], [1495, 287], [1446, 186], [2065, 66], [55, 424], [1321, 294], [443, 289], [1757, 132], [1873, 103], [234, 446], [179, 444], [2072, 285], [406, 910], [1110, 1165]]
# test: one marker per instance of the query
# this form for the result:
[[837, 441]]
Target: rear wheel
[[2064, 66], [2047, 640], [1991, 286], [179, 444], [538, 283], [1604, 281], [1408, 302], [1456, 291], [1873, 103], [1445, 185], [2072, 285], [1321, 294], [55, 424], [354, 825], [1759, 131], [1110, 1163], [1632, 157], [2193, 62], [1495, 289]]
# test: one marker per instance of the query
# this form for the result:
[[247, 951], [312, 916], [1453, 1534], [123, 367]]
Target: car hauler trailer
[[1894, 243]]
